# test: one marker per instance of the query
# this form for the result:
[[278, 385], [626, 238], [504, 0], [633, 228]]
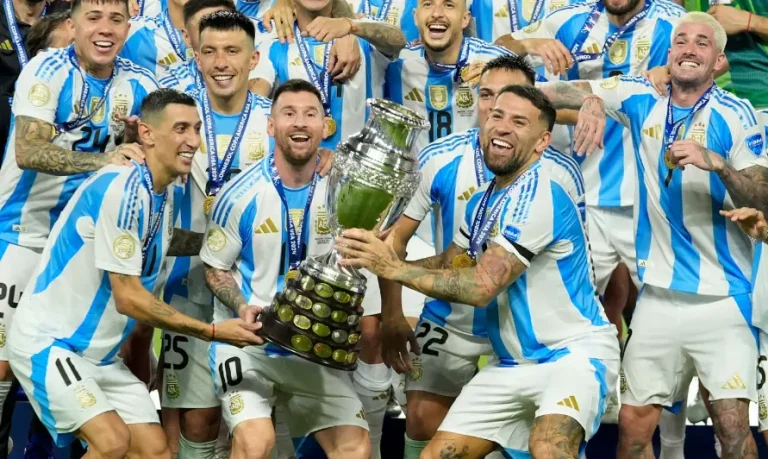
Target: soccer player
[[452, 337], [495, 19], [697, 275], [521, 254], [101, 261], [234, 137], [320, 400]]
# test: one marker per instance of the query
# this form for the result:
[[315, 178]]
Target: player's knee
[[250, 441], [112, 441], [422, 421], [637, 422], [360, 449], [550, 449], [201, 425]]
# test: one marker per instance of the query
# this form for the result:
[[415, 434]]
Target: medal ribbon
[[174, 36], [323, 86], [671, 128], [82, 118], [141, 8], [217, 171], [459, 65], [514, 21], [383, 11], [479, 163], [597, 10], [154, 219], [13, 28], [294, 245]]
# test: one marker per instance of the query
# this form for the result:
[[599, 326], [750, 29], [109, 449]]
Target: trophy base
[[317, 315]]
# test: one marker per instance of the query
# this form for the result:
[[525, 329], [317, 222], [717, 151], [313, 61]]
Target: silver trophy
[[374, 175]]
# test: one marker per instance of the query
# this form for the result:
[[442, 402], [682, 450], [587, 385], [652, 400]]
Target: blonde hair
[[698, 17]]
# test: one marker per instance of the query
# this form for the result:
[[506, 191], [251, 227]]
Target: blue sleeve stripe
[[125, 64], [444, 145], [745, 114], [569, 164], [51, 64], [231, 194], [126, 212], [523, 206]]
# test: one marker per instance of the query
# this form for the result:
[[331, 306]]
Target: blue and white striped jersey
[[493, 18], [50, 89], [682, 241], [248, 233], [552, 309], [102, 229], [153, 43], [435, 93], [255, 9], [608, 173], [151, 8], [186, 277], [450, 177], [396, 12], [347, 101]]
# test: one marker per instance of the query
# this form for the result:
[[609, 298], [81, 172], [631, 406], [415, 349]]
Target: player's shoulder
[[261, 103], [413, 50], [239, 192], [562, 15], [735, 110], [530, 193], [665, 9], [553, 156], [50, 64], [478, 47], [127, 69], [445, 149], [145, 23], [638, 82]]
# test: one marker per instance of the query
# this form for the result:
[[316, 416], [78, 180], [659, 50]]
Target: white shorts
[[762, 381], [17, 266], [675, 335], [500, 403], [611, 241], [248, 384], [187, 380], [447, 362], [66, 390]]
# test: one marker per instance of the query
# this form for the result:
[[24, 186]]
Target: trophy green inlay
[[361, 206], [301, 343], [302, 322], [285, 313], [323, 350], [339, 355], [321, 310], [321, 330]]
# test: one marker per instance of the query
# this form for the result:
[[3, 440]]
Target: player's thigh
[[451, 444], [604, 255], [623, 239], [106, 434], [762, 387], [148, 442], [426, 411], [244, 383], [722, 345], [318, 397], [653, 362], [63, 389], [344, 441], [17, 265], [447, 362]]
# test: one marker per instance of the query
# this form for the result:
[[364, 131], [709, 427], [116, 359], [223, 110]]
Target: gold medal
[[208, 204], [463, 260], [330, 125], [669, 160], [292, 274]]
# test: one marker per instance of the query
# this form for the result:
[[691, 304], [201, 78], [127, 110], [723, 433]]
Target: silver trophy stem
[[327, 268]]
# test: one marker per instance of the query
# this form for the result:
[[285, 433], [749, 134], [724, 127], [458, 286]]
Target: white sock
[[283, 440], [191, 450], [672, 434], [372, 383], [413, 448], [223, 443]]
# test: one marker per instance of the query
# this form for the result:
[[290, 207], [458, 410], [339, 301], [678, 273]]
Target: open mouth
[[689, 64], [103, 46], [437, 30], [223, 80], [299, 138]]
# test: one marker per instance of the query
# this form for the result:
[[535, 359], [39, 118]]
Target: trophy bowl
[[374, 175]]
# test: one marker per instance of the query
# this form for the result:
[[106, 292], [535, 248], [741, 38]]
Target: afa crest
[[464, 97], [236, 404], [172, 388]]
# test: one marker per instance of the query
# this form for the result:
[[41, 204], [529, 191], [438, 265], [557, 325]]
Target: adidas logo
[[503, 12], [168, 60], [467, 194], [592, 49], [360, 414], [653, 131], [295, 63], [6, 45], [570, 402], [415, 96], [734, 383], [267, 227]]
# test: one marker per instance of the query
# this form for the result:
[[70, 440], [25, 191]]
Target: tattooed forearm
[[385, 37], [185, 243], [564, 95], [224, 287], [35, 151], [747, 188], [341, 9], [434, 262]]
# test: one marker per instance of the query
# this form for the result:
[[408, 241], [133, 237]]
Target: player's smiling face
[[693, 57], [441, 22], [226, 58], [99, 29], [491, 83], [175, 137], [513, 133], [297, 125]]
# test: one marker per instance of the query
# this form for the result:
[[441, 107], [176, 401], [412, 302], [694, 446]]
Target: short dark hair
[[192, 7], [511, 63], [76, 4], [38, 37], [296, 85], [157, 100], [228, 20], [535, 97]]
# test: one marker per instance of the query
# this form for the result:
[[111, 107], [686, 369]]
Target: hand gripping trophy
[[374, 175]]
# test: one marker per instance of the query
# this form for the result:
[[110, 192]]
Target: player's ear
[[270, 127], [465, 19], [720, 63], [187, 41], [146, 137], [254, 59], [543, 142]]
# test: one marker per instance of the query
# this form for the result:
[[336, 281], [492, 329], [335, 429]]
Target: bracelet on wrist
[[213, 332]]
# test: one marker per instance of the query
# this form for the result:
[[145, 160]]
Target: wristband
[[749, 21], [213, 332]]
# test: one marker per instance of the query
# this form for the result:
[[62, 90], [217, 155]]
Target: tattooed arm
[[385, 37], [224, 287], [185, 243], [36, 151], [590, 123], [567, 94], [341, 9]]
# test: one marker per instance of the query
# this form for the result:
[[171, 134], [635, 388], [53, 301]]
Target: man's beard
[[296, 159], [33, 2], [631, 4], [510, 167]]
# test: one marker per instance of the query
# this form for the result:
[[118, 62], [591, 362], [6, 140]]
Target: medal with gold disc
[[463, 260], [217, 170], [482, 224], [330, 126], [292, 274]]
